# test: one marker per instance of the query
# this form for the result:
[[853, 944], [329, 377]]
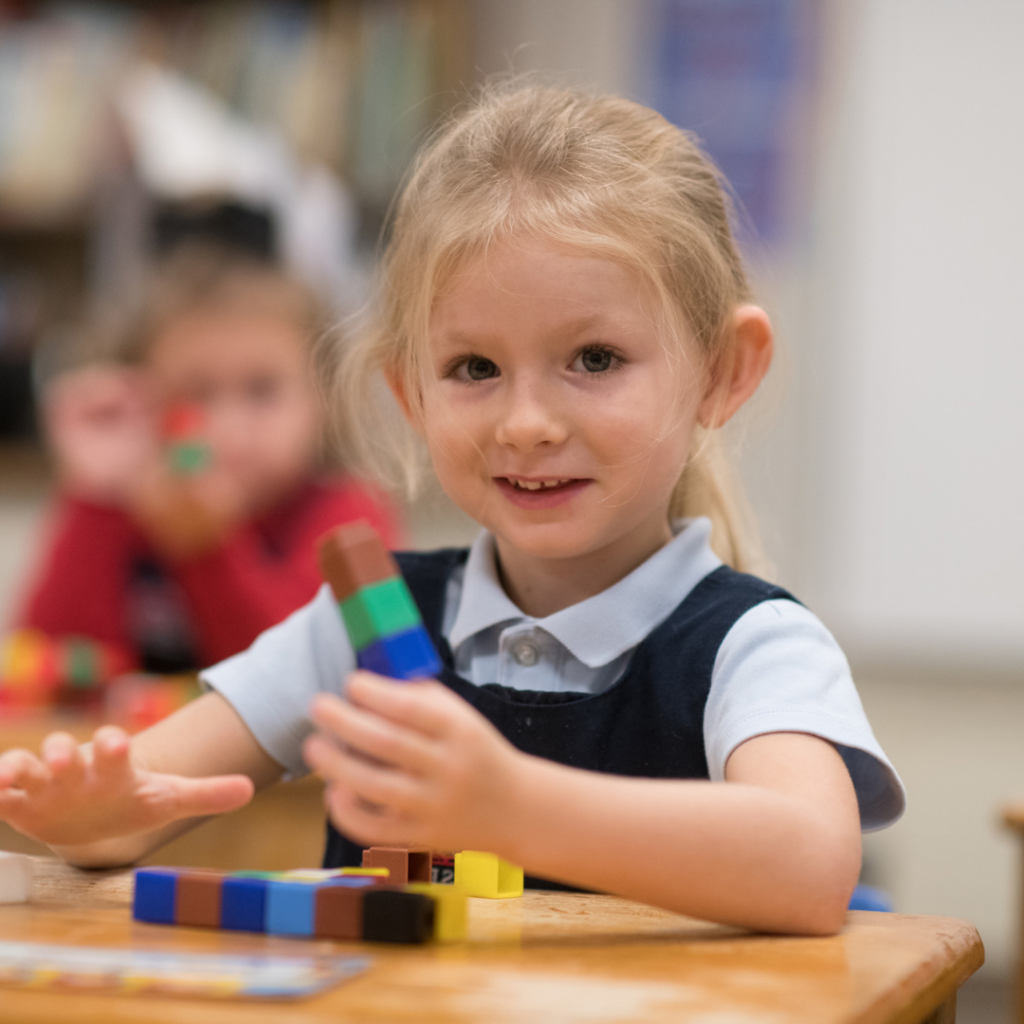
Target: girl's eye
[[595, 360], [476, 368]]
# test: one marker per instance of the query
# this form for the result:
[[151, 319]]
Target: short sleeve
[[780, 670], [272, 683]]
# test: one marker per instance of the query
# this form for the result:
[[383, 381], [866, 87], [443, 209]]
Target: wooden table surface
[[548, 957]]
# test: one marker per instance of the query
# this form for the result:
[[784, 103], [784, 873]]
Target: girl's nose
[[530, 418]]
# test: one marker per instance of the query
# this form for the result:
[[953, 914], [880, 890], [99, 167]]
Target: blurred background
[[872, 148]]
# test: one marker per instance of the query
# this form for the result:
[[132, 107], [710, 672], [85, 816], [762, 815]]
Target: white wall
[[918, 441]]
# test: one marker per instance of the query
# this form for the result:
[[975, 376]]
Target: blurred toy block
[[450, 910], [394, 915], [38, 670], [404, 864], [487, 875], [442, 869], [339, 909], [138, 701], [197, 899], [155, 895], [15, 877], [184, 432], [244, 904], [380, 615]]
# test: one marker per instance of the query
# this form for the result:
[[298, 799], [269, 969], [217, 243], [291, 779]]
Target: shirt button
[[525, 653]]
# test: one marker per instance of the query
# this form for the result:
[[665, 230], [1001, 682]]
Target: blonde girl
[[564, 323]]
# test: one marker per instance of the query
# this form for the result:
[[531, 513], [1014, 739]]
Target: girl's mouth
[[539, 494]]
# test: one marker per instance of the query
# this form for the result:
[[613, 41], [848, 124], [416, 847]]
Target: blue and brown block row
[[347, 904], [380, 615]]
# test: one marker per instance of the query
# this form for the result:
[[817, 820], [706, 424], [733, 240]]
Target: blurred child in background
[[189, 471]]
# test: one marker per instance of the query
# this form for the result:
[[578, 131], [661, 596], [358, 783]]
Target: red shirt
[[88, 582]]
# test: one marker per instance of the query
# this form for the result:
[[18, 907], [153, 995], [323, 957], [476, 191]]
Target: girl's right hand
[[71, 795], [103, 427]]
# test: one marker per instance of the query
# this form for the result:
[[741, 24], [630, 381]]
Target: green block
[[380, 610], [189, 458], [82, 670]]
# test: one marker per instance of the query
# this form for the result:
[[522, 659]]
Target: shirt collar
[[605, 626]]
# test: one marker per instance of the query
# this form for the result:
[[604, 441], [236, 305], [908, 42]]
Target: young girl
[[179, 566], [564, 321]]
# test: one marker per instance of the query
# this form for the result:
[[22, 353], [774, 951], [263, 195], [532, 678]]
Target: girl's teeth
[[531, 485]]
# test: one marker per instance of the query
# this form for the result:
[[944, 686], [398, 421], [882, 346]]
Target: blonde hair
[[594, 173]]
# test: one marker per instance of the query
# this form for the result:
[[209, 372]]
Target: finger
[[111, 748], [218, 794], [366, 823], [21, 769], [374, 736], [425, 706], [62, 755], [379, 784]]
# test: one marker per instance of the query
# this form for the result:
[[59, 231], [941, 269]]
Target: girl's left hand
[[413, 763]]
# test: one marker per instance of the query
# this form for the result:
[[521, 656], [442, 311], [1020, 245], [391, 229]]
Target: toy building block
[[391, 915], [379, 613], [404, 864], [15, 877], [339, 908], [197, 900], [184, 431], [155, 895], [244, 904], [487, 875], [450, 910], [291, 906]]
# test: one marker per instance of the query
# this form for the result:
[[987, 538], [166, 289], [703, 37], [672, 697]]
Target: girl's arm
[[115, 800], [777, 847]]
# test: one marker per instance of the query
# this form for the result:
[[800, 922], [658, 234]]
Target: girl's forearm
[[736, 853]]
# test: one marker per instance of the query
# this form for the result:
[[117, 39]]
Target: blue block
[[407, 655], [352, 881], [244, 904], [867, 897], [155, 892], [291, 907]]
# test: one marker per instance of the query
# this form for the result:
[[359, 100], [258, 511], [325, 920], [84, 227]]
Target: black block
[[390, 915]]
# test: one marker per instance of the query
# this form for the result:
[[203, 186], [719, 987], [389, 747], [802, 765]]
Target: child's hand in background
[[69, 796], [103, 426], [418, 765]]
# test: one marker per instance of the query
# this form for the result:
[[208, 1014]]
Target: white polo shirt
[[778, 669]]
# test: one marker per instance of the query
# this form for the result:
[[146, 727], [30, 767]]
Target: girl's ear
[[737, 376]]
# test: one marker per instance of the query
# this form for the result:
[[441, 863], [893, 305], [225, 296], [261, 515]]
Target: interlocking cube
[[394, 915], [487, 875], [380, 615], [404, 864], [450, 910], [15, 877], [335, 904]]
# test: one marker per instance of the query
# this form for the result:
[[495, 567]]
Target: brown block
[[339, 912], [405, 864], [198, 899], [354, 556]]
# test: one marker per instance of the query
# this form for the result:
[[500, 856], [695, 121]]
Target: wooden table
[[549, 957]]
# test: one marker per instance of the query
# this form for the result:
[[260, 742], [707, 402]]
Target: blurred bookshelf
[[350, 84]]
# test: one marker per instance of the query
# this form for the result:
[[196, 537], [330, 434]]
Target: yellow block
[[379, 872], [449, 909], [487, 875]]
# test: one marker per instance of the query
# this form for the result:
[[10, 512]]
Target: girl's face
[[249, 373], [557, 416]]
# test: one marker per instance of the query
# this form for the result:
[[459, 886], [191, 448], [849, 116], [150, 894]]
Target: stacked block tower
[[380, 614]]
